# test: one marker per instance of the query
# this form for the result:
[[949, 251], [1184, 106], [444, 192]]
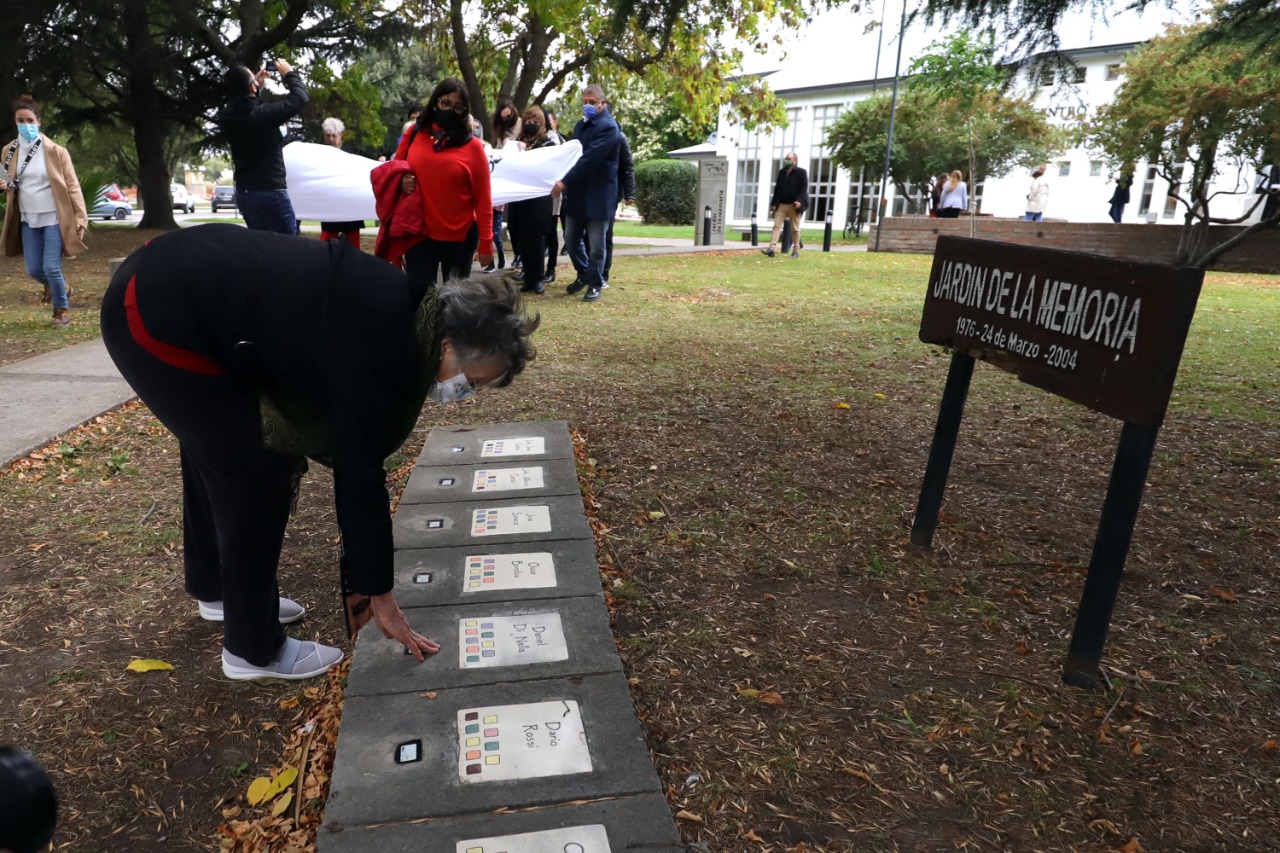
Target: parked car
[[112, 192], [223, 197], [182, 200], [109, 208]]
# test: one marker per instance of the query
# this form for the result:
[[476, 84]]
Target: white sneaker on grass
[[290, 611], [296, 660]]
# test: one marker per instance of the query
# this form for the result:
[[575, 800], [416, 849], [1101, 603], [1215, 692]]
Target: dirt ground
[[808, 680]]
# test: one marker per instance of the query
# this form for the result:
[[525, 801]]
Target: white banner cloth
[[329, 185]]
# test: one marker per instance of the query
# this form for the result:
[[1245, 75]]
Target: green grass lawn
[[812, 236]]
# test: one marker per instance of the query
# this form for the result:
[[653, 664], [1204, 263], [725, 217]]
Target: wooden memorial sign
[[1102, 332]]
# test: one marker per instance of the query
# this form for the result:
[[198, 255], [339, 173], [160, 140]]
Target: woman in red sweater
[[451, 171]]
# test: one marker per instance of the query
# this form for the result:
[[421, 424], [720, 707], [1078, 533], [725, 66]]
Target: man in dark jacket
[[253, 131], [626, 192], [790, 198], [590, 192]]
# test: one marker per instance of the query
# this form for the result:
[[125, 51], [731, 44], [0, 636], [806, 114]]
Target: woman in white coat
[[1037, 196]]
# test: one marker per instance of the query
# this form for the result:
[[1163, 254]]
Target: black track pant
[[236, 494]]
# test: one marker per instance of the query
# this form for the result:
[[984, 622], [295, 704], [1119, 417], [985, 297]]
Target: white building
[[1080, 183]]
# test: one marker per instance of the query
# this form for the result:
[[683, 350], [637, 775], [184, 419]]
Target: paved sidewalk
[[45, 396]]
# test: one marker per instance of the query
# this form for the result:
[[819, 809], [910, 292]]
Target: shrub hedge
[[666, 191]]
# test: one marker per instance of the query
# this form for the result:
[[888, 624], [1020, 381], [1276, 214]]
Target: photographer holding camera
[[253, 131]]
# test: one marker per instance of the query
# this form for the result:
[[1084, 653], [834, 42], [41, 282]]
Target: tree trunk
[[467, 67], [141, 108]]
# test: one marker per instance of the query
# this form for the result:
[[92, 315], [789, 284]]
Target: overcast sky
[[832, 48]]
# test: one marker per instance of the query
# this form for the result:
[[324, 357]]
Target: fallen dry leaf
[[686, 815], [1223, 594], [148, 665], [1132, 846], [772, 698], [282, 804]]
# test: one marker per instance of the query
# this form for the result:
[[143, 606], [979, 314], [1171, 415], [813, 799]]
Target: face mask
[[789, 163], [451, 390], [531, 128], [29, 132], [477, 132], [447, 119], [590, 111]]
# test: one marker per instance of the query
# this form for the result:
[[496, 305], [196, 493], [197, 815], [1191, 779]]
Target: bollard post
[[706, 225], [787, 236], [755, 230], [826, 234]]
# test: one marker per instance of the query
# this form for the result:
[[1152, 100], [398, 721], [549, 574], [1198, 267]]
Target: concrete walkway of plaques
[[520, 735]]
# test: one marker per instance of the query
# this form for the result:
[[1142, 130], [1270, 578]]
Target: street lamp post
[[893, 108]]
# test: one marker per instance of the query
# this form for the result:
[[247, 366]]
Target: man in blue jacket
[[590, 192], [252, 129]]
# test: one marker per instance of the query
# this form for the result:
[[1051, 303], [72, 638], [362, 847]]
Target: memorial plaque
[[635, 823], [485, 572], [370, 787], [511, 640], [491, 521], [486, 644], [578, 838], [507, 443], [506, 742], [507, 480], [1102, 332]]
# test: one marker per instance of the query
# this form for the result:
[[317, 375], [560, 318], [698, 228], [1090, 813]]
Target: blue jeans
[[1034, 217], [590, 267], [267, 210], [499, 255], [42, 250]]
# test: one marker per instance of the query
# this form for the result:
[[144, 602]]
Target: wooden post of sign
[[1110, 547], [950, 412]]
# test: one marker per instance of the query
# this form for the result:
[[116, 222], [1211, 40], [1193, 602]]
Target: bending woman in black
[[259, 351]]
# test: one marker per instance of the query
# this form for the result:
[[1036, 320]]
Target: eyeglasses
[[459, 107]]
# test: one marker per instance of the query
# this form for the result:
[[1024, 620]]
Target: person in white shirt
[[45, 216], [954, 198], [1038, 195]]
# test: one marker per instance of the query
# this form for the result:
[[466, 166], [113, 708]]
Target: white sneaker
[[290, 611], [296, 660]]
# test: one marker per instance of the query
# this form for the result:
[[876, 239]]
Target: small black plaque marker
[[1102, 332], [422, 577], [409, 752], [457, 448], [435, 523], [447, 481]]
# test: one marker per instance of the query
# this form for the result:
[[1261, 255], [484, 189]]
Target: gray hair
[[332, 125], [594, 89], [486, 317]]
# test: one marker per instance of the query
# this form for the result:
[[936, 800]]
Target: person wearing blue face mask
[[590, 192], [45, 216]]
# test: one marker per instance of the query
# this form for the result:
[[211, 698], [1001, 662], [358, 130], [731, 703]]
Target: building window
[[864, 199], [1148, 189], [1046, 75], [822, 169], [1113, 71], [1079, 74], [1095, 168], [1064, 168], [1171, 203], [784, 142], [747, 185]]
